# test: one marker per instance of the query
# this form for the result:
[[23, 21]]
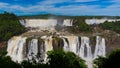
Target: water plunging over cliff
[[46, 24], [100, 47], [15, 48], [36, 49]]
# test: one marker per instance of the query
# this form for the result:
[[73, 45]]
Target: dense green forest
[[114, 26], [81, 26], [9, 26]]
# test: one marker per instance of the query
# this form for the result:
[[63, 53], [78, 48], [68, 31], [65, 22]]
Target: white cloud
[[3, 4], [85, 0], [52, 2], [48, 6]]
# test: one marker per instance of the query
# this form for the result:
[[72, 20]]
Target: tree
[[61, 59], [111, 61], [81, 26], [6, 62], [114, 26], [100, 62]]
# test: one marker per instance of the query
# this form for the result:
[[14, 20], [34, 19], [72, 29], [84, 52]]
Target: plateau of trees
[[114, 26], [9, 26], [81, 26]]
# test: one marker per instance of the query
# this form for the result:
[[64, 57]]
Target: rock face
[[23, 48], [3, 45]]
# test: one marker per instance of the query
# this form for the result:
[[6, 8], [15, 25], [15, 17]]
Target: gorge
[[35, 45]]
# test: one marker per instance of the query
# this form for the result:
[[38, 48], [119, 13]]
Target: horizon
[[62, 7]]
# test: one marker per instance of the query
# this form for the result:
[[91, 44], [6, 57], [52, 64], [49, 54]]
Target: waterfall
[[66, 44], [100, 47], [73, 43], [84, 50], [48, 46], [85, 43], [33, 49], [15, 48]]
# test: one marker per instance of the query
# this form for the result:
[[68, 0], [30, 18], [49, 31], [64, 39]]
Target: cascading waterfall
[[48, 46], [66, 44], [86, 54], [74, 46], [100, 47], [80, 46], [32, 49], [15, 48], [73, 43], [85, 43]]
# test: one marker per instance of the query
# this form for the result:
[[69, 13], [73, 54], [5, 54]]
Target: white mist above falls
[[22, 48]]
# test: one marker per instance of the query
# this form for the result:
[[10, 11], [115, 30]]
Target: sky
[[61, 7]]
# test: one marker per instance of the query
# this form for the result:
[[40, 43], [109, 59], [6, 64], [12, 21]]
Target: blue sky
[[62, 7]]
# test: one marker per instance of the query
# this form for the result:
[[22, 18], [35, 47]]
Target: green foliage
[[6, 62], [28, 64], [81, 26], [111, 61], [9, 26], [100, 62], [114, 26], [61, 59]]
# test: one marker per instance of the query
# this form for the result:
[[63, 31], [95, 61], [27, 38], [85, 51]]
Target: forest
[[9, 26], [114, 26]]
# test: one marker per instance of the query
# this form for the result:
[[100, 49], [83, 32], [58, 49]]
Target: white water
[[98, 21], [86, 54], [48, 46], [33, 49], [100, 47], [84, 50], [15, 48], [45, 24], [71, 43], [74, 46]]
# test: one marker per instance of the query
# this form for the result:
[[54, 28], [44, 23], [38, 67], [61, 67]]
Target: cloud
[[3, 4], [48, 6], [51, 2], [85, 0]]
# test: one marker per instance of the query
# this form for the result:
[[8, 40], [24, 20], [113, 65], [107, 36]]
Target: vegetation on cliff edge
[[9, 26]]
